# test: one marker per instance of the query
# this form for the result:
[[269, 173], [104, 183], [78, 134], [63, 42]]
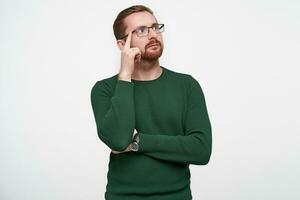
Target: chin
[[153, 55]]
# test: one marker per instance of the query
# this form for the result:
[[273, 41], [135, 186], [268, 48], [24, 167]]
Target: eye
[[143, 29], [156, 26]]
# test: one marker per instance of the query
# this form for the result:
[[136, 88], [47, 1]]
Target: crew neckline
[[153, 80]]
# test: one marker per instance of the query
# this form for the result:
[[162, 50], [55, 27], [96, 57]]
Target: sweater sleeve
[[192, 147], [114, 113]]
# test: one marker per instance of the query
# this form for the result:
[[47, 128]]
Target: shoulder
[[183, 78], [179, 77], [105, 85], [189, 82]]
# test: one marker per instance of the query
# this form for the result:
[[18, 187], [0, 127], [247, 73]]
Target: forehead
[[139, 19]]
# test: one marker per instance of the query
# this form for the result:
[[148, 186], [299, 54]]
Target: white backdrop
[[245, 55]]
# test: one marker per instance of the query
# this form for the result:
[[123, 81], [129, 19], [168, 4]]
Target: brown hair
[[119, 26]]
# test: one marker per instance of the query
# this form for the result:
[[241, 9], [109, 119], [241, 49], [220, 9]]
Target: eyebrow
[[146, 26]]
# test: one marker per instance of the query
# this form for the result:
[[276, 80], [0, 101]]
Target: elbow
[[203, 158], [200, 153], [114, 143], [119, 145], [206, 159]]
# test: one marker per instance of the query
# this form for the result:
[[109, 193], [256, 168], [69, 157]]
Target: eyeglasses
[[143, 31]]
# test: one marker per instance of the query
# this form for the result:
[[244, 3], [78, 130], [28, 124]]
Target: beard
[[153, 52]]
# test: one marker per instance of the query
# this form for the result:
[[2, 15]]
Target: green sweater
[[171, 117]]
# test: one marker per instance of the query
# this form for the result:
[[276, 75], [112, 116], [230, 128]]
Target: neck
[[146, 70]]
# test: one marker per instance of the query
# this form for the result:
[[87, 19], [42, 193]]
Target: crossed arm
[[115, 121]]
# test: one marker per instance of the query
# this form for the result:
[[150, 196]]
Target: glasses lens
[[142, 31]]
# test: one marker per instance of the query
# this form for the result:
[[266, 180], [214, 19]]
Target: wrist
[[124, 77], [135, 142]]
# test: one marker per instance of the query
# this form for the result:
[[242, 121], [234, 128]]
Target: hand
[[128, 57], [129, 148]]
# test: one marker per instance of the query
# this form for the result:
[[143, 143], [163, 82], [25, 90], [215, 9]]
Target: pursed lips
[[154, 44]]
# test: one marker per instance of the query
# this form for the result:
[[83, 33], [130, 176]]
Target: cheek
[[161, 42], [142, 46], [138, 45]]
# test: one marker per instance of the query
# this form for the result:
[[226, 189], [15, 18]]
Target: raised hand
[[129, 56]]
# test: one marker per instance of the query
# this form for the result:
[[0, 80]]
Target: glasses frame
[[160, 25]]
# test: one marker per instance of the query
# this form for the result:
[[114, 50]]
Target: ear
[[120, 44]]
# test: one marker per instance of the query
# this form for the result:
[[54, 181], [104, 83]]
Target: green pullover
[[171, 117]]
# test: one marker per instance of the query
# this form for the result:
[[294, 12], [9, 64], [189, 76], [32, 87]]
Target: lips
[[154, 44]]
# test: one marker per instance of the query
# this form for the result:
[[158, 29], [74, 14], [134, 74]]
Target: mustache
[[153, 42]]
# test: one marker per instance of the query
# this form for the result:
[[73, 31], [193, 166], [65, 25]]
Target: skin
[[145, 64], [139, 61]]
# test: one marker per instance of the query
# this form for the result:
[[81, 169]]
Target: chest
[[160, 110]]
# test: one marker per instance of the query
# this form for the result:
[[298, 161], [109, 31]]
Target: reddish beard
[[152, 53]]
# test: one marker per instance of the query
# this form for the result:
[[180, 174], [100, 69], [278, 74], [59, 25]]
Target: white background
[[245, 55]]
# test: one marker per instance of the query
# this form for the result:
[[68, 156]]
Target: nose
[[151, 33]]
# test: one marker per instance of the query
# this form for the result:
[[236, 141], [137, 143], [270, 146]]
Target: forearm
[[192, 149], [115, 116]]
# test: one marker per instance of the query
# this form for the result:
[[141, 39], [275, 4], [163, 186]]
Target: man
[[153, 119]]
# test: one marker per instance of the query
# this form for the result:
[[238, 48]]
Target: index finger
[[128, 40]]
